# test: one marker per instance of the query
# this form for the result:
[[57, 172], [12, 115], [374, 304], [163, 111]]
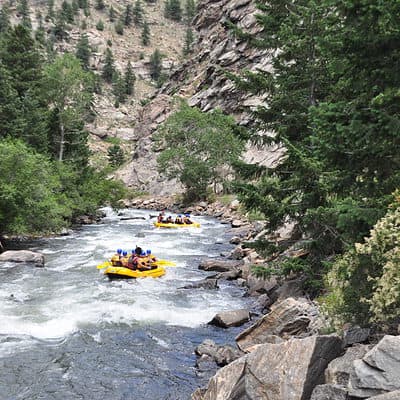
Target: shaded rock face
[[202, 81], [270, 373], [287, 318], [23, 256]]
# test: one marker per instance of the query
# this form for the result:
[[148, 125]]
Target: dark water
[[67, 332]]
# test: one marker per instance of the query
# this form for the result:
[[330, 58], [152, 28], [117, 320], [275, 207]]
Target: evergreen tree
[[50, 10], [75, 7], [128, 15], [332, 104], [100, 25], [83, 51], [22, 72], [156, 65], [119, 27], [23, 10], [146, 34], [119, 88], [115, 155], [40, 33], [67, 13], [190, 10], [4, 18], [99, 5], [59, 30], [130, 79], [173, 10], [187, 49], [108, 68], [83, 4], [111, 14], [138, 13]]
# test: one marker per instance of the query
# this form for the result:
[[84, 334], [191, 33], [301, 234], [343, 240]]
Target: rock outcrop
[[288, 370], [23, 256]]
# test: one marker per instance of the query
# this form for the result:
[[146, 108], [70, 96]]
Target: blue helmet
[[143, 253], [119, 251], [125, 253], [148, 251], [179, 215]]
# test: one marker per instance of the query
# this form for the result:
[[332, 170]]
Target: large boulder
[[226, 319], [220, 265], [378, 371], [23, 256], [287, 318], [285, 371], [340, 369]]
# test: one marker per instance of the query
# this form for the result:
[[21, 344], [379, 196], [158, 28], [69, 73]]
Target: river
[[67, 332]]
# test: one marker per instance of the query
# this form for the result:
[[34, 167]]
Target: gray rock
[[285, 371], [378, 371], [329, 392], [395, 395], [204, 284], [23, 256], [287, 318], [226, 319], [220, 265], [340, 369], [355, 334]]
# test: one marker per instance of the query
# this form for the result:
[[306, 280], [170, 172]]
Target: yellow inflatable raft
[[124, 273], [169, 225]]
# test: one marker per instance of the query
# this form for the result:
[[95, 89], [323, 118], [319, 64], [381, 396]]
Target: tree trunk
[[62, 135]]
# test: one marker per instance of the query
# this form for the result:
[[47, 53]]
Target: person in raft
[[160, 217], [169, 220], [116, 258], [178, 219], [187, 220]]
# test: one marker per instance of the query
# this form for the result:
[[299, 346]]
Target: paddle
[[104, 265], [164, 263]]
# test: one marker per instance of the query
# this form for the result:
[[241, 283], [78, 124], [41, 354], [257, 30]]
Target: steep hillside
[[166, 35], [203, 82]]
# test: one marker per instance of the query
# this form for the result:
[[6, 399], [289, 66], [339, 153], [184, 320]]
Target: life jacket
[[124, 261], [115, 260]]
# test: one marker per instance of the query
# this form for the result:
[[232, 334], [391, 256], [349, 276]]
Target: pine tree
[[119, 27], [99, 5], [119, 88], [173, 10], [60, 28], [145, 34], [50, 10], [128, 15], [23, 10], [111, 14], [108, 68], [130, 79], [40, 33], [190, 10], [83, 51], [83, 4], [156, 65], [75, 7], [100, 25], [138, 13], [67, 13], [4, 18], [189, 38]]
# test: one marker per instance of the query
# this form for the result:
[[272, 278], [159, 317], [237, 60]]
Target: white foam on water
[[70, 293]]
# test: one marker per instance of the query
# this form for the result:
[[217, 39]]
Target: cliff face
[[202, 81]]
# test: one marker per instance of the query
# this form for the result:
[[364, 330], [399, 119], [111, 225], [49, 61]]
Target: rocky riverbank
[[283, 353]]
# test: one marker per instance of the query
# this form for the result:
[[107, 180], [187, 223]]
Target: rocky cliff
[[203, 82]]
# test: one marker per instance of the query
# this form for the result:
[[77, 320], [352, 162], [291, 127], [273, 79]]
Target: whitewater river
[[67, 332]]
